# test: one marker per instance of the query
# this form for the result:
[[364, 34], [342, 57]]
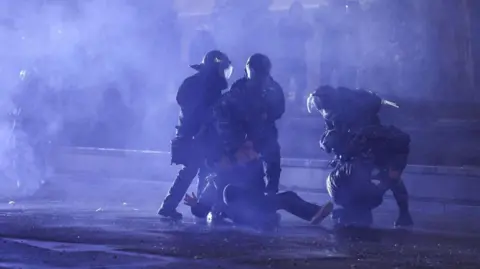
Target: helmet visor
[[248, 71], [314, 104], [227, 72], [312, 101]]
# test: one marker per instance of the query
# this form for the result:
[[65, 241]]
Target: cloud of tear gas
[[57, 60], [96, 72]]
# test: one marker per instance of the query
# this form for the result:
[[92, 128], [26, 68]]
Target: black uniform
[[196, 97], [353, 129], [249, 112]]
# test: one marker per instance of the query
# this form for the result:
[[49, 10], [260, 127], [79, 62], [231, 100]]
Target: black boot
[[401, 196], [404, 220], [170, 213], [400, 193]]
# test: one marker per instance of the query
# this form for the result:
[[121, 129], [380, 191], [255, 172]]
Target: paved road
[[53, 236], [112, 234]]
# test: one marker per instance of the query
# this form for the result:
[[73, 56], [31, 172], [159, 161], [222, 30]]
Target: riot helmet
[[215, 61], [258, 66], [320, 99]]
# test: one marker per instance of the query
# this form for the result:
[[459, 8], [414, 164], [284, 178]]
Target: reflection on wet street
[[60, 237]]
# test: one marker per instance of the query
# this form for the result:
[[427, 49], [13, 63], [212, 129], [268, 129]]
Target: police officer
[[353, 127], [196, 97], [249, 112]]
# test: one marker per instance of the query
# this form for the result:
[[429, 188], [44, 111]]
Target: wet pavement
[[39, 234]]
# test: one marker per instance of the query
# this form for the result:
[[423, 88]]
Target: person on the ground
[[240, 186]]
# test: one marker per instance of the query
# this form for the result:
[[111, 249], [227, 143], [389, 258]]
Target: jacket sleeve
[[184, 94], [275, 98], [227, 124]]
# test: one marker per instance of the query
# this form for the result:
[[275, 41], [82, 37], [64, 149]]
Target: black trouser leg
[[400, 194], [250, 203], [398, 188], [271, 156], [392, 158], [179, 187]]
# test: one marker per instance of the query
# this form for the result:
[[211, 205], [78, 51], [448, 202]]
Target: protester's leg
[[293, 204]]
